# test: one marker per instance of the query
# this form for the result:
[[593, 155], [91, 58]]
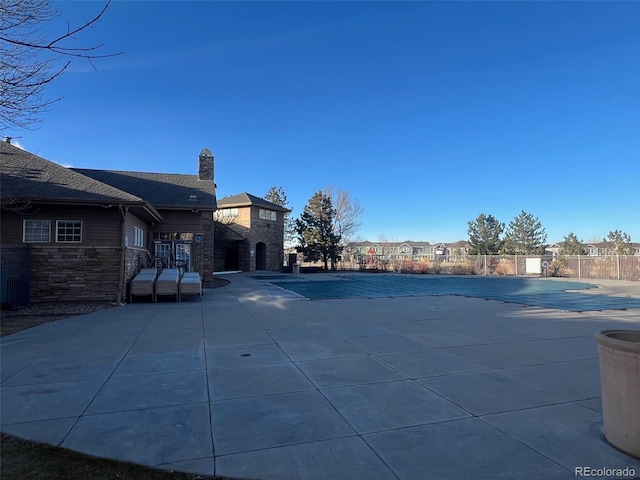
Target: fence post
[[485, 264], [618, 258], [579, 272], [516, 262]]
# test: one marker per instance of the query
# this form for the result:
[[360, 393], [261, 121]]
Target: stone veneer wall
[[272, 235], [205, 249], [74, 273], [134, 260]]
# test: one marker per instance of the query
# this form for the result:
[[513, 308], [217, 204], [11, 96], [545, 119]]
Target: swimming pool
[[527, 291]]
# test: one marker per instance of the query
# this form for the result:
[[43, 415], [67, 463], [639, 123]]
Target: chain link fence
[[604, 267]]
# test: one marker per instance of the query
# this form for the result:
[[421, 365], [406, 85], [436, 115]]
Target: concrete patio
[[257, 382]]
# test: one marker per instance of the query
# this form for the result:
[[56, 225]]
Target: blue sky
[[428, 113]]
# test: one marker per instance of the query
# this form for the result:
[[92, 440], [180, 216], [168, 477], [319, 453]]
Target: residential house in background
[[408, 250], [592, 249], [89, 232], [602, 248], [553, 249], [249, 234]]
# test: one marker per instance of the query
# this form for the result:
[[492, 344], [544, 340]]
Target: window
[[68, 231], [172, 236], [36, 231], [268, 215], [163, 250], [227, 213], [138, 234]]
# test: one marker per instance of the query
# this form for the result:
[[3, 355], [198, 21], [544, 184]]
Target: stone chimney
[[205, 165]]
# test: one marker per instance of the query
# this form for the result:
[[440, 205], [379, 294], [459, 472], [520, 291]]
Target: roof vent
[[193, 198]]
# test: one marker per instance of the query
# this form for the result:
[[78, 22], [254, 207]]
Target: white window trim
[[138, 236], [71, 241], [24, 230]]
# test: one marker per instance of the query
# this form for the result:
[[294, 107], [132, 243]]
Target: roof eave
[[193, 206], [76, 201], [276, 208]]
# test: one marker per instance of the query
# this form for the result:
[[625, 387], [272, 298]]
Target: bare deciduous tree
[[29, 61], [348, 211]]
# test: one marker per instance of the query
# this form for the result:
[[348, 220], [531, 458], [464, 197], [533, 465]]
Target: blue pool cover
[[527, 291]]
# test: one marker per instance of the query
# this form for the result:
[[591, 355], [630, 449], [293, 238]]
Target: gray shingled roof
[[246, 199], [162, 190], [27, 176]]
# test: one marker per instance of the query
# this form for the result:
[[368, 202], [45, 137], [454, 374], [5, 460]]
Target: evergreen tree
[[618, 243], [315, 231], [525, 236], [279, 197], [572, 246], [484, 235]]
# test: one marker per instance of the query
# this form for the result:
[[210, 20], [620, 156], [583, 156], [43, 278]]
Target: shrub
[[462, 270], [435, 267], [505, 267], [415, 267], [558, 268]]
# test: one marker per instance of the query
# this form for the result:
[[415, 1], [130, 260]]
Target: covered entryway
[[231, 256], [175, 253], [231, 249], [261, 256]]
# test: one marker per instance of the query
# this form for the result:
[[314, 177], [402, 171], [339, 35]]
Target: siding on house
[[176, 221], [60, 271], [100, 227], [132, 222]]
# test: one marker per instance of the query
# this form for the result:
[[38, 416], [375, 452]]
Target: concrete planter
[[619, 352]]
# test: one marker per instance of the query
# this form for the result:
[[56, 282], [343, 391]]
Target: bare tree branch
[[27, 59], [346, 220]]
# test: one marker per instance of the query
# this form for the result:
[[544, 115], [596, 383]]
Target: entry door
[[163, 250], [175, 253], [261, 256], [182, 252]]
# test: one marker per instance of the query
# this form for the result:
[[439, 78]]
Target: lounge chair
[[167, 283], [190, 284], [143, 283]]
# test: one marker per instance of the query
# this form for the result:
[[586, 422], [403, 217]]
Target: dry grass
[[35, 314], [23, 459]]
